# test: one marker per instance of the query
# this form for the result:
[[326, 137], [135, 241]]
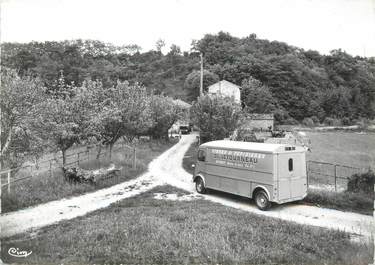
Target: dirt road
[[167, 169]]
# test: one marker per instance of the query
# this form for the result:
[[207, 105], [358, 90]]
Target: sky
[[321, 25]]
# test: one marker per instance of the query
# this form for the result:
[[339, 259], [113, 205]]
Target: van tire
[[262, 201], [199, 186]]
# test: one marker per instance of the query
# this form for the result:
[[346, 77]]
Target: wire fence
[[331, 176], [87, 153]]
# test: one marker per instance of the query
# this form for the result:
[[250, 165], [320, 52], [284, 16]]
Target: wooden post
[[307, 174], [335, 177], [9, 182], [1, 188], [78, 159], [373, 235], [201, 80], [50, 168], [134, 158]]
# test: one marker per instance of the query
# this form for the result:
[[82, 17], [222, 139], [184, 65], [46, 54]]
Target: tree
[[192, 82], [122, 111], [164, 113], [217, 117], [18, 99], [174, 55], [160, 44], [256, 97], [65, 118]]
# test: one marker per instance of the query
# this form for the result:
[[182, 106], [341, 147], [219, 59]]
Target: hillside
[[302, 83]]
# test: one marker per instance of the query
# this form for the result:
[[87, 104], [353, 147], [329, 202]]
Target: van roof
[[251, 146]]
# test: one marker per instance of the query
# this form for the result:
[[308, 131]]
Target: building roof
[[260, 116], [181, 103], [224, 82], [251, 146]]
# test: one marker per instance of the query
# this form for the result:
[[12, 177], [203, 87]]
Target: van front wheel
[[262, 201], [199, 186]]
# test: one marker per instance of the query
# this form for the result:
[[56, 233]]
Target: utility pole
[[1, 147], [201, 86]]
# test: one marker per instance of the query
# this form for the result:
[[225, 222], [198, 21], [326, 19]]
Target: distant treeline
[[295, 84]]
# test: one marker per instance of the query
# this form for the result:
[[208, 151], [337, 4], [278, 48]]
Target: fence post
[[50, 168], [335, 177], [1, 188], [307, 173], [9, 182], [78, 159], [134, 158]]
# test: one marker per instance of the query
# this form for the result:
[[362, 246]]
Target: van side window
[[290, 163], [201, 155]]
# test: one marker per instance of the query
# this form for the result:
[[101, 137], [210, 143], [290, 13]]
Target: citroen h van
[[266, 172]]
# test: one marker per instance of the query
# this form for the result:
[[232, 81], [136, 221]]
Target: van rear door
[[291, 175]]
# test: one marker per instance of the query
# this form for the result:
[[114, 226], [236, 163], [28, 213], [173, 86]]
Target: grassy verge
[[44, 188], [143, 230], [344, 201]]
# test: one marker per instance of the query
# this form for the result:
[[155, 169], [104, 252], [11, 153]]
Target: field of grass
[[347, 148], [43, 188], [143, 230]]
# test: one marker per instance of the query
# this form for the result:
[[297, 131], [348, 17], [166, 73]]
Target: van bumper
[[291, 199]]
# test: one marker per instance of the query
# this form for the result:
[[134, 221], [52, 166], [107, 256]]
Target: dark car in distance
[[185, 129]]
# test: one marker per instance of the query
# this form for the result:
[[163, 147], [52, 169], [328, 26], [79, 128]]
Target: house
[[226, 89]]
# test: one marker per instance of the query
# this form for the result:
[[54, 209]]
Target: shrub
[[308, 122], [362, 182], [216, 117], [332, 121], [362, 123], [315, 119], [345, 121], [291, 121]]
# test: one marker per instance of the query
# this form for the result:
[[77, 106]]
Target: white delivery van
[[266, 172]]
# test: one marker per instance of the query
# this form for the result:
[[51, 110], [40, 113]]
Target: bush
[[216, 117], [291, 121], [308, 122], [315, 120], [362, 182], [345, 121], [332, 121], [362, 123]]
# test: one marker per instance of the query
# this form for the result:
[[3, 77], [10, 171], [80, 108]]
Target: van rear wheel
[[199, 186], [262, 201]]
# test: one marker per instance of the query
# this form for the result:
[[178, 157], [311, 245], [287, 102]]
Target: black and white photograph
[[187, 132]]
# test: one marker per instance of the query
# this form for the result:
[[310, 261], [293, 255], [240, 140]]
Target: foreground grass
[[143, 230], [344, 201], [45, 188]]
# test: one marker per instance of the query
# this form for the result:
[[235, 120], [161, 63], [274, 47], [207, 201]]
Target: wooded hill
[[276, 77]]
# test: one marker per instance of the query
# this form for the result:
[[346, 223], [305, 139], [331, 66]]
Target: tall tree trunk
[[63, 156], [99, 151], [110, 151]]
